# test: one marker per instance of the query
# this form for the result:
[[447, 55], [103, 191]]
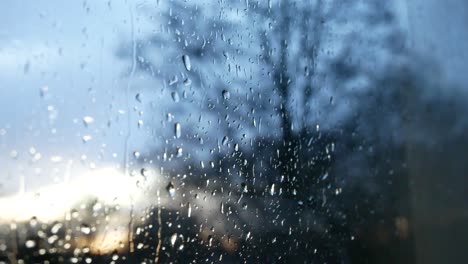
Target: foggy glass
[[233, 131]]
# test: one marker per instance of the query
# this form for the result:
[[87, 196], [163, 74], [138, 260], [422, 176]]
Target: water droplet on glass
[[33, 221], [179, 152], [177, 130], [87, 120], [136, 154], [175, 96], [187, 64], [187, 82], [144, 172], [85, 229], [55, 228], [325, 176], [30, 243], [189, 210], [44, 90], [173, 239], [171, 189], [226, 94], [244, 187], [97, 207], [169, 117], [173, 80], [86, 138], [272, 189], [225, 140], [138, 97]]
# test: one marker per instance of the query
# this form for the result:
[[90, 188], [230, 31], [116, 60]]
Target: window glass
[[237, 131]]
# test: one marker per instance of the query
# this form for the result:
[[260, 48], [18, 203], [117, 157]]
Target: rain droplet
[[138, 97], [179, 152], [272, 189], [225, 140], [136, 154], [55, 228], [97, 207], [226, 94], [85, 229], [33, 221], [144, 172], [175, 96], [87, 120], [189, 211], [171, 189], [87, 138], [44, 90], [173, 239], [187, 82], [187, 64], [30, 243], [177, 130], [173, 80], [325, 176], [244, 187]]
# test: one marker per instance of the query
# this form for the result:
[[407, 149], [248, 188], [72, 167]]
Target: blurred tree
[[282, 94], [236, 67]]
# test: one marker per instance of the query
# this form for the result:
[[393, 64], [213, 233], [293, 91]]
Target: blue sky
[[58, 65]]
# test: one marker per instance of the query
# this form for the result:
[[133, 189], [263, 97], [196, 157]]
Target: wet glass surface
[[233, 131]]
